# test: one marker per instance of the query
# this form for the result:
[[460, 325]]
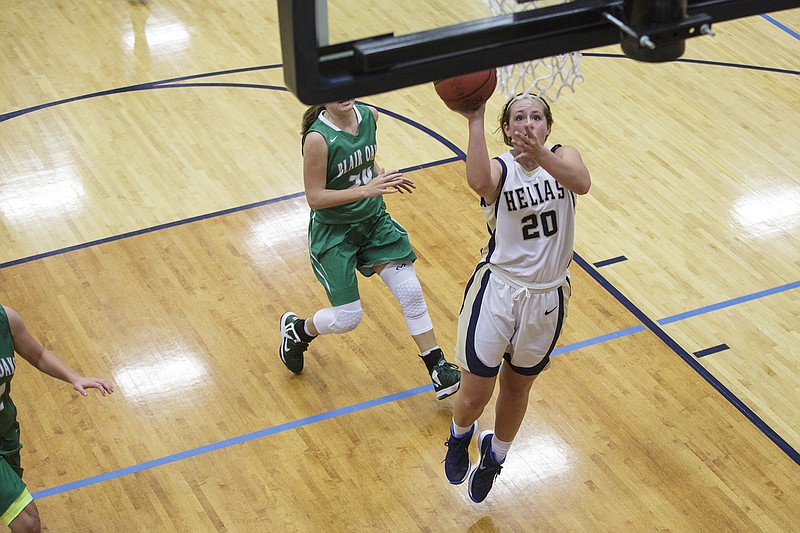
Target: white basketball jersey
[[531, 225]]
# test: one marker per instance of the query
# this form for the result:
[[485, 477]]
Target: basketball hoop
[[546, 76]]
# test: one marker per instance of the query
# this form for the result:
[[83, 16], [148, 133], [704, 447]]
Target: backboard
[[324, 62]]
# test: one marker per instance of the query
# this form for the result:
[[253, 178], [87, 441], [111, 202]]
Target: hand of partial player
[[389, 182], [103, 385]]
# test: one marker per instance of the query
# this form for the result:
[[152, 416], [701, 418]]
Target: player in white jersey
[[516, 300]]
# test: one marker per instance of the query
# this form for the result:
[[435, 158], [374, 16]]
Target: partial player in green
[[18, 509]]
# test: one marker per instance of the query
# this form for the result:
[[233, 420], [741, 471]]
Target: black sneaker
[[456, 462], [481, 479], [292, 347], [446, 378]]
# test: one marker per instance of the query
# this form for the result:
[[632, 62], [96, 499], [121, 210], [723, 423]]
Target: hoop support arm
[[318, 74]]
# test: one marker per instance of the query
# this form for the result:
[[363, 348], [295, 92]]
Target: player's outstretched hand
[[103, 385], [389, 182], [405, 186]]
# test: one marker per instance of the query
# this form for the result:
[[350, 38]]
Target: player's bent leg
[[402, 281], [297, 333], [339, 319], [401, 278], [27, 521]]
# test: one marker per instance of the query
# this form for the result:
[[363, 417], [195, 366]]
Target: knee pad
[[401, 278], [339, 319]]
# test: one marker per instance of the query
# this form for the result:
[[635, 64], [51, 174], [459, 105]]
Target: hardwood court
[[208, 432]]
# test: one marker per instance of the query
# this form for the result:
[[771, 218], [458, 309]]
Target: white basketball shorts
[[500, 320]]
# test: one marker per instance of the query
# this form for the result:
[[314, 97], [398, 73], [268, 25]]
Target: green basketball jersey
[[351, 160], [8, 411]]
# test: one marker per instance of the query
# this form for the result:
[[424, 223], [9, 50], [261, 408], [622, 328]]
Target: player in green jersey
[[350, 230], [18, 509]]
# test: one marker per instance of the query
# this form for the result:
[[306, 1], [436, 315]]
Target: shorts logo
[[551, 310]]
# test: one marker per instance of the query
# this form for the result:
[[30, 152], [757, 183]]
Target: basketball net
[[546, 76]]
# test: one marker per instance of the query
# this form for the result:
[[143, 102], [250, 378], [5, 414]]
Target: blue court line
[[714, 349], [230, 442], [294, 424], [781, 26], [597, 340], [730, 303]]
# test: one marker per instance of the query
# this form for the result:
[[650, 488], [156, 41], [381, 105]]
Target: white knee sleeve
[[339, 319], [401, 278]]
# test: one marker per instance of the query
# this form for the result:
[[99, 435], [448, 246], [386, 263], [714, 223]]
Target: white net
[[546, 76]]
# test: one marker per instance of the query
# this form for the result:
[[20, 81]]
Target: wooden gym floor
[[153, 231]]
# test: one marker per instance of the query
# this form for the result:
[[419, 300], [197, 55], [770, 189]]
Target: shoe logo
[[290, 333], [284, 349], [435, 378], [551, 310]]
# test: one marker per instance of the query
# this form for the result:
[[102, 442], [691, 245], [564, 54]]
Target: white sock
[[429, 351], [500, 449], [458, 431]]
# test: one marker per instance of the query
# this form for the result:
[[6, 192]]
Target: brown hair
[[309, 117], [505, 115]]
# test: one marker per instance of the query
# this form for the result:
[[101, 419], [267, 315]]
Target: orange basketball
[[467, 92]]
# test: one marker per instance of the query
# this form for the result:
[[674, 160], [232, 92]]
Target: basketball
[[467, 92]]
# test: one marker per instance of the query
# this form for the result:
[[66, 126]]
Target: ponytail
[[309, 117]]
